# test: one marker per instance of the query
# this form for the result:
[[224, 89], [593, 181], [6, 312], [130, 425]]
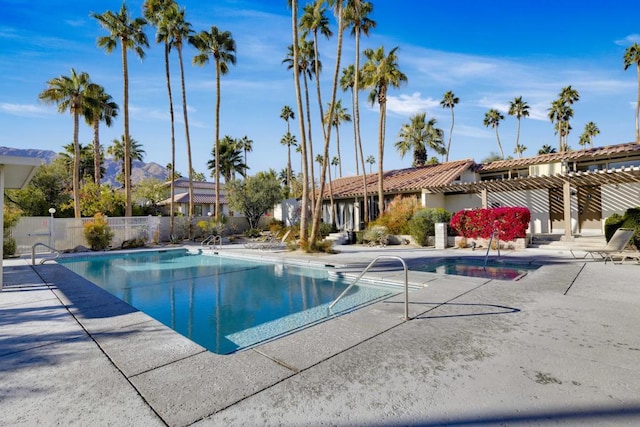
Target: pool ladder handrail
[[42, 261], [371, 264], [213, 240], [495, 234]]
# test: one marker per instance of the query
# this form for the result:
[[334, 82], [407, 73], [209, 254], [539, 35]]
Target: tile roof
[[198, 199], [184, 183], [401, 180], [586, 154]]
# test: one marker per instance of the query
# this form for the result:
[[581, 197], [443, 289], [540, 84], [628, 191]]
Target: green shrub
[[396, 217], [421, 227], [631, 219], [611, 224], [422, 223], [252, 232], [8, 247], [11, 218], [98, 233], [325, 229], [377, 235]]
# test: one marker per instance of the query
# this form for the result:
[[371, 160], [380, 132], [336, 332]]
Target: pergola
[[564, 181], [15, 173]]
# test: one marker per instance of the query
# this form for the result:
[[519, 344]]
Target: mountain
[[139, 171]]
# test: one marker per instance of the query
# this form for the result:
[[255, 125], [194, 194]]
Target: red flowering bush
[[511, 222]]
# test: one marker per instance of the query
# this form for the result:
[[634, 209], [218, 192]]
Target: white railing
[[68, 233]]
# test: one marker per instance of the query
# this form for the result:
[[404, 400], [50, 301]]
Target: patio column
[[485, 198], [566, 195]]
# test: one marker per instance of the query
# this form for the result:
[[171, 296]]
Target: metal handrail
[[33, 253], [406, 282], [495, 233], [213, 240]]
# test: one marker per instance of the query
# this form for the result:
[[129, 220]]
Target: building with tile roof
[[569, 192], [204, 198]]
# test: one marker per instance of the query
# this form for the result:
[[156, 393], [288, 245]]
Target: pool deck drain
[[475, 351]]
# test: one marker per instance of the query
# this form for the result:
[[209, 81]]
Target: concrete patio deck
[[559, 346]]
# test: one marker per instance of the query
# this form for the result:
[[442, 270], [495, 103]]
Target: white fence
[[67, 233]]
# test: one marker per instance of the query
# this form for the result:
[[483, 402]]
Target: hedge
[[511, 222]]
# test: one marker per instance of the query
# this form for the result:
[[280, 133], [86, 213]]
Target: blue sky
[[487, 53]]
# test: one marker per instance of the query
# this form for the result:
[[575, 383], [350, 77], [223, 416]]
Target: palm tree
[[86, 163], [306, 68], [320, 161], [286, 114], [546, 149], [346, 83], [117, 151], [519, 150], [357, 16], [418, 135], [449, 100], [103, 110], [222, 47], [317, 212], [130, 34], [590, 131], [560, 113], [246, 145], [492, 119], [72, 93], [230, 160], [379, 73], [371, 160], [304, 219], [519, 109], [340, 115], [313, 21], [288, 140], [632, 56], [165, 16]]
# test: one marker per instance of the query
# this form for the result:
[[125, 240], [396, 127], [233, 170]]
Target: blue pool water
[[475, 267], [223, 304]]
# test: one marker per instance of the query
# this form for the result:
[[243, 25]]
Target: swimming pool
[[224, 304], [475, 267]]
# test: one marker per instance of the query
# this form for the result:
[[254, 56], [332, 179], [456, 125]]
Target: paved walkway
[[560, 346]]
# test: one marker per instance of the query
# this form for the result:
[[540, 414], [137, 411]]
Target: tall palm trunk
[[451, 133], [338, 149], [381, 125], [173, 140], [327, 139], [188, 141], [356, 121], [97, 164], [76, 162], [518, 140], [304, 220], [217, 141], [313, 178], [499, 144], [355, 133], [128, 211], [638, 106]]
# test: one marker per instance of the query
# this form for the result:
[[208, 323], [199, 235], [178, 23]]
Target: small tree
[[255, 195], [11, 218], [98, 233]]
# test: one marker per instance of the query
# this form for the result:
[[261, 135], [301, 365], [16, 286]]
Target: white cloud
[[410, 104], [630, 39], [23, 109]]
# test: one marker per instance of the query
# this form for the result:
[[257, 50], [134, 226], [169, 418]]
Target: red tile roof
[[198, 199], [586, 154], [401, 180]]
